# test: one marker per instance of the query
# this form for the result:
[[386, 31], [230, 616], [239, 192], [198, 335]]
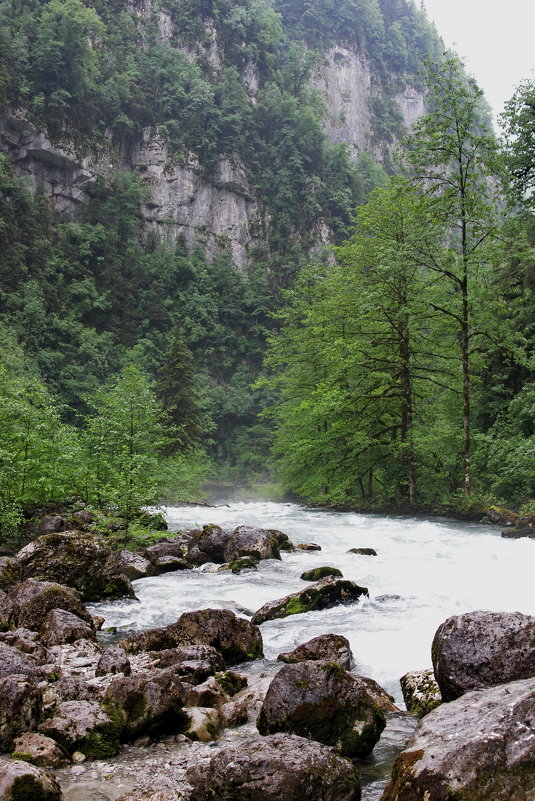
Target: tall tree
[[453, 152], [518, 120]]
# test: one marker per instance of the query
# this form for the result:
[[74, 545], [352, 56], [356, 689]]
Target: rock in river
[[322, 595], [330, 647]]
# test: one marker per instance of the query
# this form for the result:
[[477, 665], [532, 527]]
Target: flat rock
[[281, 767], [480, 747], [482, 649], [323, 594], [322, 701], [330, 647]]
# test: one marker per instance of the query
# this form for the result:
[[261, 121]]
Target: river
[[425, 570]]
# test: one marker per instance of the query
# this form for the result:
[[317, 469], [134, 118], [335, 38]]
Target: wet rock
[[167, 546], [281, 767], [202, 724], [168, 564], [322, 701], [76, 559], [479, 747], [482, 649], [20, 708], [387, 598], [29, 603], [113, 660], [239, 565], [246, 704], [231, 682], [250, 541], [98, 621], [39, 750], [322, 595], [20, 781], [329, 647], [210, 694], [518, 532], [318, 573], [363, 551], [284, 541], [308, 546], [62, 627], [207, 659], [134, 566], [381, 698], [27, 642], [207, 545], [421, 692], [14, 662], [147, 703], [235, 638], [83, 726]]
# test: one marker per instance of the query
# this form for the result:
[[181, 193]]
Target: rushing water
[[425, 571]]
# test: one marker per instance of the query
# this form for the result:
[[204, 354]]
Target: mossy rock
[[363, 551], [324, 594], [318, 573]]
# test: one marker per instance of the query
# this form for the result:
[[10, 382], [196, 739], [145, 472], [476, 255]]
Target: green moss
[[100, 745], [256, 652], [321, 572], [27, 788], [296, 607], [231, 682], [22, 756]]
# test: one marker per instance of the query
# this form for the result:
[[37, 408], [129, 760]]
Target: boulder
[[168, 564], [322, 595], [167, 546], [27, 642], [76, 559], [308, 546], [14, 662], [147, 703], [318, 573], [184, 654], [421, 692], [329, 647], [322, 701], [69, 688], [83, 726], [39, 750], [20, 708], [20, 781], [113, 660], [363, 551], [276, 768], [134, 566], [236, 639], [207, 545], [50, 524], [231, 682], [482, 649], [381, 698], [202, 724], [209, 694], [28, 604], [239, 565], [9, 572], [479, 747], [250, 541], [62, 627], [518, 532]]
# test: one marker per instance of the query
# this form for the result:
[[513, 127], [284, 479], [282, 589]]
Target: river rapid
[[425, 570]]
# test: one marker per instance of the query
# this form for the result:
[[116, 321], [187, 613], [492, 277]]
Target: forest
[[394, 370]]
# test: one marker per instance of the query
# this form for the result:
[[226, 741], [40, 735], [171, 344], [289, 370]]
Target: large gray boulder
[[330, 647], [146, 702], [76, 559], [28, 604], [14, 662], [236, 639], [480, 747], [61, 627], [20, 781], [250, 541], [277, 768], [482, 649], [20, 708], [322, 595], [322, 701], [83, 726], [39, 750], [133, 565]]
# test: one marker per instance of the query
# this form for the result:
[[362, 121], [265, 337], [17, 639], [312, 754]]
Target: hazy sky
[[495, 39]]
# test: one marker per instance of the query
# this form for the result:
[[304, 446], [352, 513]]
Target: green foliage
[[518, 121]]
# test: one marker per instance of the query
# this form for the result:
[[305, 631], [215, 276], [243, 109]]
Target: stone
[[134, 566], [62, 627], [168, 564], [76, 559], [14, 662], [318, 573], [421, 692], [480, 747], [209, 694], [207, 545], [9, 572], [39, 750], [363, 551], [194, 661], [69, 688], [323, 594], [518, 532], [236, 639], [308, 546], [231, 682], [113, 660], [27, 642], [20, 781], [240, 565], [167, 546], [280, 767], [322, 701], [202, 724], [250, 541], [83, 726], [147, 703], [381, 698], [482, 649], [330, 647], [30, 602], [21, 704]]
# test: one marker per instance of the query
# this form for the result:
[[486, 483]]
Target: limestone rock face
[[330, 647], [480, 747], [21, 780], [236, 639], [76, 559], [20, 708], [482, 649], [322, 701], [323, 594], [277, 768]]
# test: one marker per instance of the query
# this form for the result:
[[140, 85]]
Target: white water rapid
[[425, 571]]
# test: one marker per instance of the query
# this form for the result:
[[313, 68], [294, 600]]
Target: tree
[[453, 152], [518, 120]]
